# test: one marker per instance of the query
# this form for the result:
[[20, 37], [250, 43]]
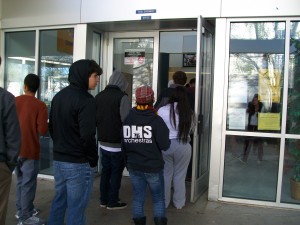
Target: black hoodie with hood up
[[72, 120]]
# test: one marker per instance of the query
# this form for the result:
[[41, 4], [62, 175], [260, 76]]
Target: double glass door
[[203, 107], [136, 56]]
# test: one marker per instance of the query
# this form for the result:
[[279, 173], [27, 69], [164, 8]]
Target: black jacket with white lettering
[[145, 135]]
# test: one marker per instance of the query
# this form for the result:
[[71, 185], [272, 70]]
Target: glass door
[[203, 103], [135, 55]]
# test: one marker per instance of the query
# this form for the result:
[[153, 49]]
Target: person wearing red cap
[[145, 136]]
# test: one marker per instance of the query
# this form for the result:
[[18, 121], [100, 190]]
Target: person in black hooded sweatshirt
[[72, 126], [145, 135]]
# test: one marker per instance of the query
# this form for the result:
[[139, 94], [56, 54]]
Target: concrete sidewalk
[[202, 212]]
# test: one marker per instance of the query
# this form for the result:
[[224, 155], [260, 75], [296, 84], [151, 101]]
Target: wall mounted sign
[[268, 121], [189, 59], [134, 56], [143, 11]]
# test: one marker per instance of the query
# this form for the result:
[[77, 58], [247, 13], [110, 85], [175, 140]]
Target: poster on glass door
[[134, 56]]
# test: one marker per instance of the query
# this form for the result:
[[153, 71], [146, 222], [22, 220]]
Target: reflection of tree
[[293, 114], [54, 75], [248, 66], [142, 73]]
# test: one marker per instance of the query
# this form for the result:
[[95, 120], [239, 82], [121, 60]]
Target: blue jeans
[[139, 181], [111, 175], [26, 171], [73, 187]]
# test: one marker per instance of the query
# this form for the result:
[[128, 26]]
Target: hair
[[184, 111], [0, 60], [32, 81], [192, 81], [94, 68], [179, 77]]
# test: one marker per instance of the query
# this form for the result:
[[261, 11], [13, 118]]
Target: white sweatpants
[[177, 159]]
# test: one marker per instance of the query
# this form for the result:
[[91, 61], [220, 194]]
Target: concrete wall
[[29, 13]]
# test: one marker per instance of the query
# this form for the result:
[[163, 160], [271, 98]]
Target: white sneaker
[[35, 212], [33, 221]]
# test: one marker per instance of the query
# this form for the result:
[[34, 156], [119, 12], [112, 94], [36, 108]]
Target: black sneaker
[[119, 205]]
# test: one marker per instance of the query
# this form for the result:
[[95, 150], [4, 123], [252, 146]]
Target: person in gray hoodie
[[113, 106]]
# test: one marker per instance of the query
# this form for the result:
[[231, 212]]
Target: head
[[85, 74], [31, 83], [118, 79], [192, 82], [144, 95], [179, 77], [184, 111], [255, 99]]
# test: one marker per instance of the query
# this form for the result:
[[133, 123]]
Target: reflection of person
[[72, 126], [178, 116], [33, 116], [10, 140], [113, 106], [254, 107], [145, 135]]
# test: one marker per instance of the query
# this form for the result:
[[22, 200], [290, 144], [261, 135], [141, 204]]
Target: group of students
[[151, 141]]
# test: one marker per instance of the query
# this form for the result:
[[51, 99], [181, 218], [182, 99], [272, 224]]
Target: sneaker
[[35, 212], [33, 221], [119, 205], [103, 205]]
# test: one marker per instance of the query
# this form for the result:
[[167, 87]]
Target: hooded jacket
[[10, 133], [145, 135], [72, 120], [113, 106]]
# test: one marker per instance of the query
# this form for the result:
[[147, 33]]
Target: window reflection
[[56, 56], [293, 113], [250, 167], [19, 59], [134, 58], [256, 68], [291, 172]]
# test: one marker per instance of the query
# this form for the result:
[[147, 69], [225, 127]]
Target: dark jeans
[[111, 175], [26, 171], [155, 182]]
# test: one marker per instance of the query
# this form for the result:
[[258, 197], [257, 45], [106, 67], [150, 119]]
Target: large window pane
[[246, 176], [291, 172], [19, 59], [256, 69], [56, 56], [293, 113], [134, 58]]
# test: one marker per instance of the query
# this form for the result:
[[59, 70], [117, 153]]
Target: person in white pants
[[178, 116]]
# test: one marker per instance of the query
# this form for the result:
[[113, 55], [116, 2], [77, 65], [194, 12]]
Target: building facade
[[236, 50]]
